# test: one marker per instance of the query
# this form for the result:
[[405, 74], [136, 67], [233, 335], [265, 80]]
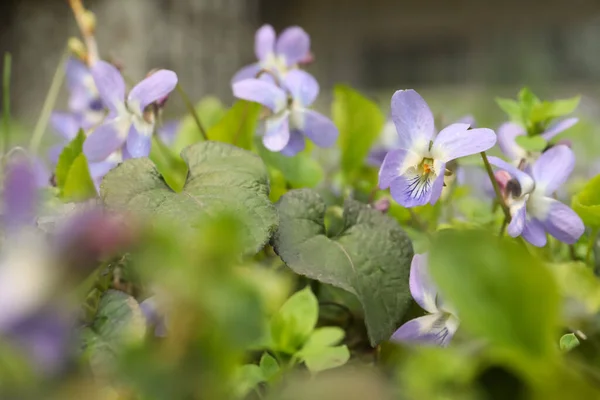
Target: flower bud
[[77, 47], [89, 22], [382, 205]]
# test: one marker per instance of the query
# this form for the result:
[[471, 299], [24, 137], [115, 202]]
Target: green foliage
[[221, 178], [578, 284], [568, 342], [321, 352], [210, 111], [238, 125], [292, 325], [370, 257], [72, 173], [531, 143], [586, 203], [501, 291], [360, 122]]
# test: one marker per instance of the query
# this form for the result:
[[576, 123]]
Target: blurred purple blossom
[[155, 318], [128, 127], [528, 195], [277, 55], [168, 132], [290, 120], [414, 172], [440, 324]]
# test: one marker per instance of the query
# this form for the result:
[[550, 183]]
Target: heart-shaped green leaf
[[221, 178], [370, 257], [531, 143]]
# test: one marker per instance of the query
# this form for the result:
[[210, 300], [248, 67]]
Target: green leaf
[[292, 325], [210, 110], [586, 203], [501, 291], [72, 173], [247, 378], [170, 165], [269, 366], [321, 359], [300, 171], [527, 102], [579, 283], [568, 342], [511, 108], [222, 178], [370, 257], [360, 122], [325, 337], [238, 125], [548, 110], [531, 143]]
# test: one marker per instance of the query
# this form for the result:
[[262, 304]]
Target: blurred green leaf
[[370, 257], [586, 203], [210, 110], [72, 173], [269, 366], [548, 110], [360, 122], [325, 337], [319, 359], [568, 342], [501, 292], [247, 378], [238, 125], [578, 282], [300, 171], [527, 102], [531, 143], [222, 178], [171, 166], [292, 325], [511, 108]]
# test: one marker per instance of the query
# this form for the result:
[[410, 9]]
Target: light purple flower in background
[[528, 195], [168, 132], [277, 55], [128, 125], [509, 131], [290, 120], [155, 319], [439, 326], [415, 172]]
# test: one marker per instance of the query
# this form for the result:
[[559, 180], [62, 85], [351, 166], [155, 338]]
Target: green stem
[[241, 127], [51, 97], [6, 102], [490, 173], [590, 246], [192, 110]]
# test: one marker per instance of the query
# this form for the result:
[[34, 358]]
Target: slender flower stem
[[6, 102], [503, 227], [590, 247], [42, 122], [488, 168], [192, 110]]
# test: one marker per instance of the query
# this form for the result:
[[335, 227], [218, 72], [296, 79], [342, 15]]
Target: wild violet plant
[[246, 265]]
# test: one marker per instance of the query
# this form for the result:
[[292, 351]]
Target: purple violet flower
[[439, 326], [277, 55], [528, 195], [128, 125], [415, 172], [508, 132], [290, 120]]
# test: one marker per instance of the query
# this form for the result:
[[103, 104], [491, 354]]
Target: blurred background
[[462, 52]]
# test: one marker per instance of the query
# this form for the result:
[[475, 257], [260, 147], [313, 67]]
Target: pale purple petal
[[154, 318], [110, 84], [247, 72], [302, 86], [507, 134], [467, 119], [294, 44], [277, 132], [153, 88], [264, 41], [41, 173], [258, 91], [434, 329], [411, 190], [20, 194], [558, 127], [517, 222], [295, 145], [377, 156], [534, 233], [526, 182], [139, 142], [438, 186], [54, 153], [106, 139], [99, 170], [553, 168], [318, 128], [66, 124], [168, 132], [413, 119], [458, 141], [390, 169], [76, 72], [422, 287], [562, 222]]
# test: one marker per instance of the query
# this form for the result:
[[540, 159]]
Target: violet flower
[[290, 120], [528, 195], [128, 125], [277, 55], [440, 324], [509, 131], [155, 319], [415, 172]]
